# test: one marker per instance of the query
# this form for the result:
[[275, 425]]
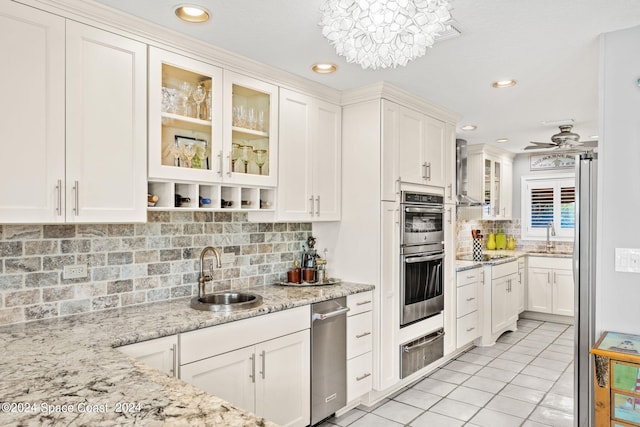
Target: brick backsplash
[[464, 242], [136, 263]]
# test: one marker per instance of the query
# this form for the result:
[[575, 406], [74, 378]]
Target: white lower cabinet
[[550, 285], [161, 353], [467, 328], [270, 378], [504, 296], [265, 370], [359, 345]]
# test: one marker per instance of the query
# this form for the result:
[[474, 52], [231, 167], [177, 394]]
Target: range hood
[[461, 175]]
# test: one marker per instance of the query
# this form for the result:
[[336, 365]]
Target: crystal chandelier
[[383, 33]]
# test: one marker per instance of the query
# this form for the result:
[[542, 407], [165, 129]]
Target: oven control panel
[[423, 198]]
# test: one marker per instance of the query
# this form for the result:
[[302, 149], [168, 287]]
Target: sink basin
[[227, 301]]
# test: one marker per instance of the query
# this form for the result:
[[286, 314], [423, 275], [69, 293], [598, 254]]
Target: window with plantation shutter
[[548, 200]]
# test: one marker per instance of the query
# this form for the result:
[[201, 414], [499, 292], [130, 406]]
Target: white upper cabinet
[[75, 121], [490, 173], [250, 131], [310, 152], [415, 148], [106, 126], [183, 144], [32, 108]]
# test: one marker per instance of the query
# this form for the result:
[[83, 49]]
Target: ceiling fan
[[563, 140]]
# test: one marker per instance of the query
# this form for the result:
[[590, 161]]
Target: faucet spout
[[204, 278], [551, 231]]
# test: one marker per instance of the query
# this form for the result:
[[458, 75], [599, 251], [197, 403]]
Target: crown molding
[[104, 17], [393, 93]]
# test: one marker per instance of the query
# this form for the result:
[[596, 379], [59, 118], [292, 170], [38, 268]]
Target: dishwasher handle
[[323, 316]]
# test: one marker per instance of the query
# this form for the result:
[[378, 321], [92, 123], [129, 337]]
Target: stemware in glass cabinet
[[260, 158]]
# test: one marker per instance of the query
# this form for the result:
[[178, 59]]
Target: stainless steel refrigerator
[[584, 272]]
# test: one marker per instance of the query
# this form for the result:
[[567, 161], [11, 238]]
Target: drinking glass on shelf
[[240, 116], [189, 150], [199, 94], [208, 102], [261, 123], [186, 89], [245, 154], [235, 153], [260, 158], [252, 118], [176, 151], [201, 154]]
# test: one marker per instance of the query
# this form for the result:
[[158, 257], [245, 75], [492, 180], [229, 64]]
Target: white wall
[[618, 294]]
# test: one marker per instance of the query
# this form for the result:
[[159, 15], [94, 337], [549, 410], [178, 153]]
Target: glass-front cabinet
[[185, 118], [495, 188], [212, 136], [251, 130]]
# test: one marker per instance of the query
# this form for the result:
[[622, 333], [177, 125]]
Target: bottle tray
[[329, 281]]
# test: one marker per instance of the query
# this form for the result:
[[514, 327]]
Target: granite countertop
[[503, 256], [67, 371]]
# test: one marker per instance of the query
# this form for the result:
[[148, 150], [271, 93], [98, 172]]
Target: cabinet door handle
[[363, 376], [230, 164], [396, 216], [76, 190], [263, 355], [318, 206], [220, 163], [470, 299], [554, 277], [362, 335], [311, 203], [59, 190], [450, 215], [429, 171], [252, 375], [363, 302], [174, 354], [424, 171], [470, 329], [450, 191], [549, 277]]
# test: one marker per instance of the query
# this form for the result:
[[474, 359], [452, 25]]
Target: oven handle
[[411, 260], [424, 210], [408, 348]]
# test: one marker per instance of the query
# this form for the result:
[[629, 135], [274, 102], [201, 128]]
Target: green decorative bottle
[[491, 242]]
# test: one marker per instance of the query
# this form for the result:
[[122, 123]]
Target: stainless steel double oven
[[421, 256]]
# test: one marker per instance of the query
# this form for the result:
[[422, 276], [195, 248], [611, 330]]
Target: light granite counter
[[504, 256], [66, 371]]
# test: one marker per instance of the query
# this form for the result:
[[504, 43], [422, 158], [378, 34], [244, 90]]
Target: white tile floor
[[525, 379]]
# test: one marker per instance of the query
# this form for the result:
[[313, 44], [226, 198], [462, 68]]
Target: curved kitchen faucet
[[204, 278]]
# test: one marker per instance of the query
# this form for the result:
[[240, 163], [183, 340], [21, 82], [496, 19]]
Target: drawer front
[[207, 342], [622, 408], [467, 329], [359, 334], [468, 276], [359, 378], [501, 270], [467, 299], [359, 303], [550, 262]]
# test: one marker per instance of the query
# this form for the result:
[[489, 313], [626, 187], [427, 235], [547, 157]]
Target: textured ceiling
[[550, 47]]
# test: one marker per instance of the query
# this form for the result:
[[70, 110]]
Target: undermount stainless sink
[[227, 301]]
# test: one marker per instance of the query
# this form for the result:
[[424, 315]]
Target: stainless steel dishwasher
[[328, 358]]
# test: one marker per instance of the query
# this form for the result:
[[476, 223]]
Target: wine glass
[[176, 151], [245, 153], [198, 95], [235, 153], [201, 154], [189, 150], [252, 118], [260, 158]]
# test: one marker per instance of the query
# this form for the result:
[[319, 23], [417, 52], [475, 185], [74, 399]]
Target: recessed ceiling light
[[191, 13], [504, 83], [324, 68], [469, 127], [502, 140]]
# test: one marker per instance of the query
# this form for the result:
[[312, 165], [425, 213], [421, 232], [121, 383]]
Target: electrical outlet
[[228, 258], [74, 271]]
